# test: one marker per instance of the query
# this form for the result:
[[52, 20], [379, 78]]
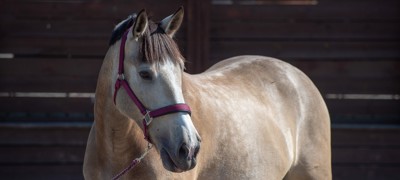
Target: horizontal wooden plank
[[362, 171], [63, 28], [362, 137], [42, 171], [266, 2], [49, 74], [306, 30], [382, 155], [365, 119], [333, 10], [88, 45], [364, 107], [365, 153], [86, 9], [67, 47], [20, 136], [51, 67], [324, 49], [45, 105], [26, 117], [352, 75], [101, 28], [67, 172], [281, 2], [349, 68], [338, 85], [38, 155]]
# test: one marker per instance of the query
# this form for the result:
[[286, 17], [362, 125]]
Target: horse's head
[[153, 68]]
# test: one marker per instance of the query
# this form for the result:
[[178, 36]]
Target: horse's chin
[[168, 163]]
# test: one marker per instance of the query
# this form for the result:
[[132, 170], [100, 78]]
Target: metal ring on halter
[[148, 118], [121, 76]]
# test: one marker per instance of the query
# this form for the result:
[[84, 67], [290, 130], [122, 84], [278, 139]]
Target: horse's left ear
[[172, 23]]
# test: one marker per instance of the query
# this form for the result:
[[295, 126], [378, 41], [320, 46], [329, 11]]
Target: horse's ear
[[140, 24], [172, 23]]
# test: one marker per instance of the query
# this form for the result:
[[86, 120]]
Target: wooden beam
[[198, 27]]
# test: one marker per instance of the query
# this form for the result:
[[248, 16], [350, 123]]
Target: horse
[[246, 117]]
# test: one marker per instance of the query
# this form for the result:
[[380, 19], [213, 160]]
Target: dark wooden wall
[[350, 49]]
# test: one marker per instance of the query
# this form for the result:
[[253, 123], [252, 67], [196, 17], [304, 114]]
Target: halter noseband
[[148, 115]]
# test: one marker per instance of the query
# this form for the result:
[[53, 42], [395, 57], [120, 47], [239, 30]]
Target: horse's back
[[293, 111]]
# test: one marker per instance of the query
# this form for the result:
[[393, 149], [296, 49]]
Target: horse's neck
[[116, 135]]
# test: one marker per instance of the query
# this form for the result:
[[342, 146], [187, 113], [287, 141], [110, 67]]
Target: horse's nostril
[[184, 151], [187, 156], [188, 152]]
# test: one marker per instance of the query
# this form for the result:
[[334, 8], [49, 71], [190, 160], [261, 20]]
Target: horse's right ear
[[140, 25], [172, 23]]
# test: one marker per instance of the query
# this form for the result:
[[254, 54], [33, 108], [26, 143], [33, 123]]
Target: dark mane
[[121, 28], [154, 44]]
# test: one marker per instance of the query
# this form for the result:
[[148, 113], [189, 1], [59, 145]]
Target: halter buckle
[[121, 76], [148, 118]]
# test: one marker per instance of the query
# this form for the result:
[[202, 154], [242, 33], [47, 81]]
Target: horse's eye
[[146, 75]]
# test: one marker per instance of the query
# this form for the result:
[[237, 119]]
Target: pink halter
[[148, 114]]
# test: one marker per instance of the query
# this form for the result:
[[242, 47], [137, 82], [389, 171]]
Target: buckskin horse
[[254, 117]]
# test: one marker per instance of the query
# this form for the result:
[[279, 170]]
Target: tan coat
[[258, 118]]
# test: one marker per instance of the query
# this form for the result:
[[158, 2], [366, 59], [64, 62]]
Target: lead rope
[[133, 163], [146, 121]]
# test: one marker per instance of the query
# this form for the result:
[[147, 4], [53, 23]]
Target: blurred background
[[51, 52]]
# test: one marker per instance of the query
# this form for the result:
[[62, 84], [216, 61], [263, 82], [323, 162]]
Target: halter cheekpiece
[[148, 115]]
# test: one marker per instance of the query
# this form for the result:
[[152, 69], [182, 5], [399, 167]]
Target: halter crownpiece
[[148, 115]]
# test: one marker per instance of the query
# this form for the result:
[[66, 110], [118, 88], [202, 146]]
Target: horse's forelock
[[157, 46]]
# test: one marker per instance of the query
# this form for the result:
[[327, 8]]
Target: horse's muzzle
[[182, 160]]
